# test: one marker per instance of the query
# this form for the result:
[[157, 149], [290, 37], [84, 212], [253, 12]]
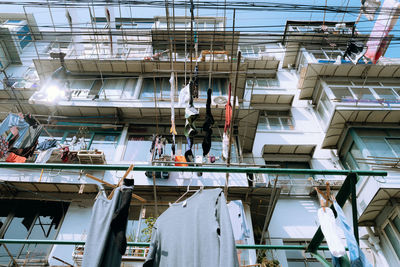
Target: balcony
[[270, 92], [342, 104]]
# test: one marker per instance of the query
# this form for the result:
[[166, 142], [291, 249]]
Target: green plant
[[146, 232]]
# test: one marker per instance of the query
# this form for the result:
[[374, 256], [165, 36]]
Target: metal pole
[[124, 167], [353, 182]]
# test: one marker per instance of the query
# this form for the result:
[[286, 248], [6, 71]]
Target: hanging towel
[[104, 244], [184, 96], [329, 229], [357, 257], [14, 120], [225, 145], [207, 126], [196, 233], [45, 155], [228, 111]]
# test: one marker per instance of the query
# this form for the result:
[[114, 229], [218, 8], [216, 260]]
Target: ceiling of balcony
[[343, 117]]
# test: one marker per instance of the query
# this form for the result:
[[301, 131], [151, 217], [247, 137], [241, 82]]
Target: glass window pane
[[43, 228], [113, 88], [395, 145], [106, 144], [363, 93], [138, 149], [378, 147], [394, 241], [396, 222], [18, 229], [342, 92], [274, 123], [148, 88], [385, 93]]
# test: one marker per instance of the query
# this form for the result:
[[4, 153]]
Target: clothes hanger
[[119, 184], [187, 191], [327, 197]]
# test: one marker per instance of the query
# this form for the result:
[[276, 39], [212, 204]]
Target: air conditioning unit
[[220, 101]]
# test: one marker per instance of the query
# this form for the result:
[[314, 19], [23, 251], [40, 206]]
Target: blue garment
[[357, 257], [14, 120]]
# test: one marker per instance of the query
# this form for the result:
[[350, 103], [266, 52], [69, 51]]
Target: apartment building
[[103, 90]]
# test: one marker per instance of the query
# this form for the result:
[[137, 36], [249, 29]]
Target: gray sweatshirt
[[195, 232]]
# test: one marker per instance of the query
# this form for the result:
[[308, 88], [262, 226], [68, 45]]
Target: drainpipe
[[373, 243]]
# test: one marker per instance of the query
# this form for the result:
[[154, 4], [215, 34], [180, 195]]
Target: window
[[276, 120], [107, 143], [219, 86], [118, 89], [365, 91], [138, 148], [31, 219], [324, 107], [391, 230], [263, 83]]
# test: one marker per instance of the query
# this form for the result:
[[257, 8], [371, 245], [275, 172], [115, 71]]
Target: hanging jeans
[[357, 257], [14, 120]]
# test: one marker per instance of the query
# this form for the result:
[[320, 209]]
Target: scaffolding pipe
[[144, 244], [124, 167]]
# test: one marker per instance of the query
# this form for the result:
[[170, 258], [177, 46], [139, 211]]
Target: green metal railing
[[124, 167], [144, 244]]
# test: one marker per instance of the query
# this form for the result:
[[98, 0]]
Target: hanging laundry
[[188, 153], [228, 111], [241, 229], [30, 137], [225, 145], [173, 126], [355, 51], [65, 154], [3, 146], [47, 144], [196, 82], [378, 39], [195, 233], [104, 244], [369, 8], [191, 114], [12, 157], [357, 257], [44, 155], [184, 96], [329, 229], [14, 120], [207, 126], [30, 120], [180, 161]]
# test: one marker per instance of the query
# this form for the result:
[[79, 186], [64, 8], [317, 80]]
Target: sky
[[273, 21]]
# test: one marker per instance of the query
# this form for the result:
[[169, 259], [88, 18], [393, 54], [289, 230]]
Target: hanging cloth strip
[[207, 126], [385, 22], [173, 126], [228, 111], [357, 257]]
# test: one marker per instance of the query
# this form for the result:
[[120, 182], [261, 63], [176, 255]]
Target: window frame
[[264, 115], [388, 221]]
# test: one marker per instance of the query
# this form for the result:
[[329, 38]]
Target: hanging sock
[[357, 257], [329, 229], [208, 123]]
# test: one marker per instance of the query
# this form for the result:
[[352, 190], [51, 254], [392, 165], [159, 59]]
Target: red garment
[[180, 161], [15, 158], [228, 111]]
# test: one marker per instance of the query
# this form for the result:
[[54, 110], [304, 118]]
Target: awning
[[288, 151], [262, 98], [310, 74], [343, 117], [377, 204]]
